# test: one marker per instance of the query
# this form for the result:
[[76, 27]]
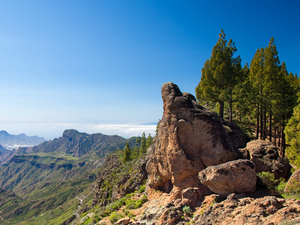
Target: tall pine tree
[[219, 75]]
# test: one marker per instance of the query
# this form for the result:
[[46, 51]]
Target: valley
[[46, 183]]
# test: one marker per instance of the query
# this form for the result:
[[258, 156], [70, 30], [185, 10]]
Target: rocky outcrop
[[189, 139], [293, 184], [123, 221], [239, 209], [266, 158], [236, 176]]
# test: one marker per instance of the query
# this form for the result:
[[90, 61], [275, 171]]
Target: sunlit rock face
[[190, 138]]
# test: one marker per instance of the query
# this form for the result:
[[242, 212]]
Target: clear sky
[[98, 66]]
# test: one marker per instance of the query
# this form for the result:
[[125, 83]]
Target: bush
[[268, 180], [144, 199], [138, 204], [115, 216], [142, 188], [186, 210], [130, 204]]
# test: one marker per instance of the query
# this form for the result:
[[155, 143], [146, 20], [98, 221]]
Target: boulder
[[236, 176], [293, 184], [190, 138], [266, 158], [123, 221]]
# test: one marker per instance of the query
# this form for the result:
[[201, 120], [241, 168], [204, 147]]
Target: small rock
[[123, 221]]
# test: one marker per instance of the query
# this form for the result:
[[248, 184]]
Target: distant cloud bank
[[49, 131]]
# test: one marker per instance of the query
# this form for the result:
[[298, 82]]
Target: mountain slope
[[42, 182], [47, 179], [4, 154], [81, 144]]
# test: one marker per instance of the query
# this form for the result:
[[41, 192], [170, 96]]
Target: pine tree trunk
[[275, 133], [282, 147], [221, 111], [257, 122], [270, 126], [261, 122], [279, 136], [230, 108], [265, 122]]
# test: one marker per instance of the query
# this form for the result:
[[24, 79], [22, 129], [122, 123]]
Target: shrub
[[186, 210], [138, 204], [130, 204], [144, 199], [268, 180], [142, 188], [115, 216]]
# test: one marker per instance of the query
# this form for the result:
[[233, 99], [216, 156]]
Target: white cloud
[[54, 130]]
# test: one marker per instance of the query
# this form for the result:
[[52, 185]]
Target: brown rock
[[235, 211], [293, 184], [123, 221], [236, 176], [190, 196], [266, 158], [189, 139]]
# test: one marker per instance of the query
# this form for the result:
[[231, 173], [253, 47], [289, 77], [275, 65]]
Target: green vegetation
[[45, 185], [292, 132], [186, 210], [277, 186], [220, 75], [140, 149], [115, 216], [122, 185], [259, 98], [127, 153]]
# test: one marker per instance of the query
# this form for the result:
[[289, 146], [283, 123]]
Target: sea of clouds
[[49, 131]]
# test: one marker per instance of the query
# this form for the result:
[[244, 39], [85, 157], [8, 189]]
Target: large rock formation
[[190, 138], [236, 176], [266, 158]]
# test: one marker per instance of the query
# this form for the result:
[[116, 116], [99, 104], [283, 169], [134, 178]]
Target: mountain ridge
[[7, 139], [80, 144]]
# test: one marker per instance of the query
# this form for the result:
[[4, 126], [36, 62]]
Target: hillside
[[48, 180], [4, 154]]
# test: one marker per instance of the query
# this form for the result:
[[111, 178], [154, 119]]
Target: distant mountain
[[14, 141], [81, 144]]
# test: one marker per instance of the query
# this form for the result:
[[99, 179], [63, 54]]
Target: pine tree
[[149, 140], [284, 102], [137, 144], [127, 153], [143, 148], [220, 75], [272, 77], [292, 132], [257, 81]]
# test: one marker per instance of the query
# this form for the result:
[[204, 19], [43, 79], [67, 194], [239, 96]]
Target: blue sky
[[98, 66]]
